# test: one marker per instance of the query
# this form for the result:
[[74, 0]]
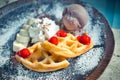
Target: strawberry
[[24, 53], [61, 33], [53, 40], [84, 39]]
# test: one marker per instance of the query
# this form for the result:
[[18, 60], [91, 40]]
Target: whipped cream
[[49, 27], [33, 31], [42, 29]]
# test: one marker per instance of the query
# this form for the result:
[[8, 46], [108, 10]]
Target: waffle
[[41, 60], [67, 47]]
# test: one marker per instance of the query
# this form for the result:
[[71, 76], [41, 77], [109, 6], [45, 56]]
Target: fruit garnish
[[61, 33], [53, 40], [24, 53], [84, 39]]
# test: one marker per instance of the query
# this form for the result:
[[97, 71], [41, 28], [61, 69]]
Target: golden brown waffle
[[67, 47], [41, 60]]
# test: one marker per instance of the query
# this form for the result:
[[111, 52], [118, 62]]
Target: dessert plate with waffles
[[53, 41]]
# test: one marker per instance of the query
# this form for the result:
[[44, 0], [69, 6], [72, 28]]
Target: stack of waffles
[[52, 54]]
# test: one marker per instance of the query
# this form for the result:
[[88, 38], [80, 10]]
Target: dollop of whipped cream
[[41, 29], [35, 31], [49, 27]]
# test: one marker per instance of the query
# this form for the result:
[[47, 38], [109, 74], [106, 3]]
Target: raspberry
[[53, 40], [24, 53], [84, 39], [61, 33]]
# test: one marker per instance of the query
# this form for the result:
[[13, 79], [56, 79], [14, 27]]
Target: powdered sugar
[[56, 9], [88, 60], [80, 66], [3, 60]]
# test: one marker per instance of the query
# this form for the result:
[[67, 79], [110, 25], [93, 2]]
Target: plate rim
[[108, 52]]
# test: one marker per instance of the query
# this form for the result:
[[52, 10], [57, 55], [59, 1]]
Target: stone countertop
[[112, 72]]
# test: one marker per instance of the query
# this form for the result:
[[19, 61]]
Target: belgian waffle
[[67, 47], [41, 60]]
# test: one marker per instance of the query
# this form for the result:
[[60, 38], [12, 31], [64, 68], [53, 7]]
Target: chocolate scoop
[[74, 16]]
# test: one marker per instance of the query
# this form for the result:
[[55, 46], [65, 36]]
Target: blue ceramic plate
[[88, 66]]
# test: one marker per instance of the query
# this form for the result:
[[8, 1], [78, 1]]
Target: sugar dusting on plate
[[78, 66], [8, 29]]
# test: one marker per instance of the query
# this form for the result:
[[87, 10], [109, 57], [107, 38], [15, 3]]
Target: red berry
[[24, 53], [84, 39], [78, 38], [53, 40], [61, 33]]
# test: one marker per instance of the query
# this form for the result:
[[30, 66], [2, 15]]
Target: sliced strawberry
[[84, 39], [53, 40], [24, 53], [61, 33]]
